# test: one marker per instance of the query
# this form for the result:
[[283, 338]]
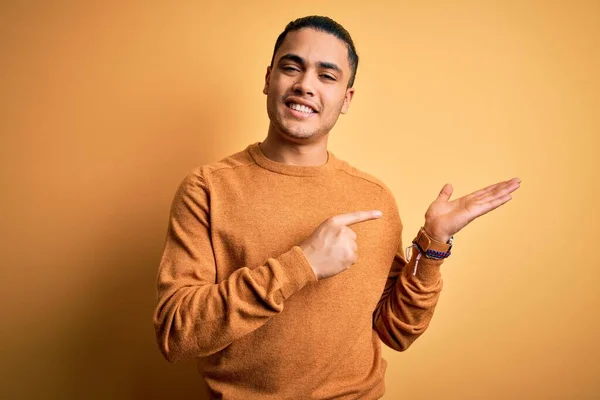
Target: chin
[[296, 132], [292, 129], [299, 134]]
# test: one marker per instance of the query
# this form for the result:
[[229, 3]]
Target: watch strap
[[431, 248]]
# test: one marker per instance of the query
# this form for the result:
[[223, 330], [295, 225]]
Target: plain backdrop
[[106, 106]]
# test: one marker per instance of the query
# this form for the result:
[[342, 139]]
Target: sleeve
[[195, 316], [408, 301]]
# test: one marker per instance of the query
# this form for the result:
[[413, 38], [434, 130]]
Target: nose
[[303, 86]]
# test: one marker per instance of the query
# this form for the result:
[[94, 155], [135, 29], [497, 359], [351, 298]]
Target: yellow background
[[106, 107]]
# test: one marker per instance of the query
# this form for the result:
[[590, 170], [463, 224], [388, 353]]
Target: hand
[[332, 248], [444, 218]]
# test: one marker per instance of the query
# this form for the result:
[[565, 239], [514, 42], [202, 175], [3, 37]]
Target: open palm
[[445, 217]]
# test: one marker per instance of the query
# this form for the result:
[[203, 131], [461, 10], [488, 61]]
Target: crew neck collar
[[289, 169]]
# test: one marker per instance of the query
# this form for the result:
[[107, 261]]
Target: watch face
[[428, 243], [424, 240]]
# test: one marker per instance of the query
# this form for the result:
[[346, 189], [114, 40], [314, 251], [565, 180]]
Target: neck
[[309, 153]]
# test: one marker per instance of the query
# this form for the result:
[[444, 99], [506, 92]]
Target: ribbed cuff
[[428, 269], [296, 271]]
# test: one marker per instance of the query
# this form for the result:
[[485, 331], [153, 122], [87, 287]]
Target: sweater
[[236, 292]]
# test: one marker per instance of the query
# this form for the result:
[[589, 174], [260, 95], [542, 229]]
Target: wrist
[[430, 247], [435, 234]]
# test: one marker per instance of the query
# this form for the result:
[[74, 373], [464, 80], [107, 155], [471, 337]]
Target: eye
[[331, 78], [290, 68]]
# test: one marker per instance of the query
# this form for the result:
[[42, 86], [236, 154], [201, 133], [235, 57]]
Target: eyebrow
[[321, 64]]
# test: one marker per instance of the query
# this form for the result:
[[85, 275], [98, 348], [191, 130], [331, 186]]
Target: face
[[307, 86]]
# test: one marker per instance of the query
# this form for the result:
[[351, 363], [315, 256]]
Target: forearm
[[195, 320], [408, 303]]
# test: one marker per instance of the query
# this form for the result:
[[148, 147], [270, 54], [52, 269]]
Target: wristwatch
[[431, 248]]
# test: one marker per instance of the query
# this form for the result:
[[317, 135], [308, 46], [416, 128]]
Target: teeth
[[301, 108]]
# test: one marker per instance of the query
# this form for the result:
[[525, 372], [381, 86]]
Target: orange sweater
[[236, 292]]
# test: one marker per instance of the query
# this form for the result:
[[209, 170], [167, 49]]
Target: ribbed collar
[[288, 169]]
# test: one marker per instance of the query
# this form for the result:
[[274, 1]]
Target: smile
[[301, 108]]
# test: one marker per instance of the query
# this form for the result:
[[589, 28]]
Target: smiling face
[[307, 87]]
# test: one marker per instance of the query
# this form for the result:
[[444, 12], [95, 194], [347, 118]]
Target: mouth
[[300, 108]]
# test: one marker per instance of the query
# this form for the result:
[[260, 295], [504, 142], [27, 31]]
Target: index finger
[[355, 217], [487, 189]]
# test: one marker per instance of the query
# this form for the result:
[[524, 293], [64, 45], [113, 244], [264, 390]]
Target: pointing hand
[[332, 248]]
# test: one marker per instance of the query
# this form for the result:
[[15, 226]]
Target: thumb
[[445, 193]]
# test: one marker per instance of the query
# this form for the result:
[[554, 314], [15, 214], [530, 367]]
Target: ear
[[347, 98], [267, 80]]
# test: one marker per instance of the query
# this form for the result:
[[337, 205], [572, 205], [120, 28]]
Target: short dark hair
[[323, 24]]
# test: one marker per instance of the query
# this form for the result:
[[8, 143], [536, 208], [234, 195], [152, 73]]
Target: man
[[283, 266]]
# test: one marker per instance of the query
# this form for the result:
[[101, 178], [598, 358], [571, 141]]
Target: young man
[[283, 266]]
